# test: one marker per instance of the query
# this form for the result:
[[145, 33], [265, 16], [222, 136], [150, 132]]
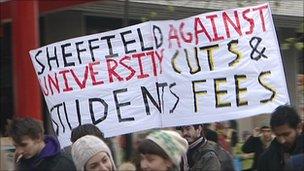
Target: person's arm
[[209, 161]]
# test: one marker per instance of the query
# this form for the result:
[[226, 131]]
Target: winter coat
[[49, 159], [273, 157], [201, 156], [226, 159]]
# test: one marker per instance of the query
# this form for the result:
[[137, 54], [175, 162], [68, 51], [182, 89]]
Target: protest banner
[[210, 67]]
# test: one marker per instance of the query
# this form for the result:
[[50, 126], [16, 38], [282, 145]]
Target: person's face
[[286, 135], [190, 133], [28, 147], [152, 162], [99, 162], [266, 133]]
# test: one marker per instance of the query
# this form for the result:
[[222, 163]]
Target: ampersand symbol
[[255, 50]]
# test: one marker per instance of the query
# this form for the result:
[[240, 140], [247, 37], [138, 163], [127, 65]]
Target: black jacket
[[253, 145], [49, 159], [273, 157]]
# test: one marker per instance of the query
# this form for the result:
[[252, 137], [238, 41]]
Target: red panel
[[5, 10], [44, 6], [51, 5], [25, 31]]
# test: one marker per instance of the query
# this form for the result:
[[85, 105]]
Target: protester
[[257, 143], [223, 140], [162, 150], [203, 154], [286, 125], [86, 129], [137, 139], [90, 153], [34, 151]]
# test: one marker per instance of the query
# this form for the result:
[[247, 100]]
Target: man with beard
[[286, 125], [203, 154]]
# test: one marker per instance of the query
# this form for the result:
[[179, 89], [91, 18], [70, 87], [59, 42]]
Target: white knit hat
[[85, 148], [171, 142]]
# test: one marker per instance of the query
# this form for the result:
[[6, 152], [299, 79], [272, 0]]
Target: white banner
[[211, 67]]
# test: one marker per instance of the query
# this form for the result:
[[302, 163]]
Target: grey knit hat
[[85, 148]]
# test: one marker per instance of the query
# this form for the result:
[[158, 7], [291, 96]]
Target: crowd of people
[[277, 146]]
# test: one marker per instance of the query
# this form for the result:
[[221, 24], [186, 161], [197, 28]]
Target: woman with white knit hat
[[162, 150], [90, 153]]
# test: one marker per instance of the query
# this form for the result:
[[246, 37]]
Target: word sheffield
[[120, 43]]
